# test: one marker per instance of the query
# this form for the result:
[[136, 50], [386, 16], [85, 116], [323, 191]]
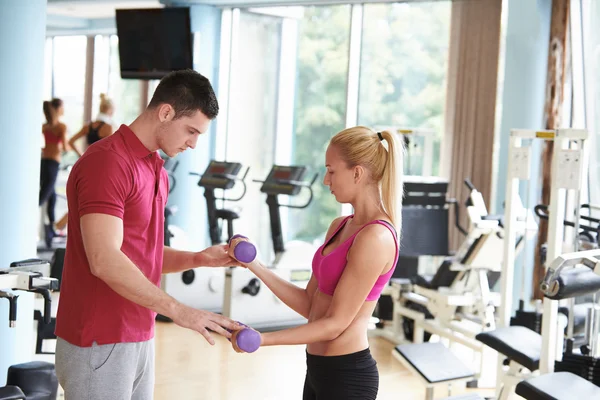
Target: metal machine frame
[[568, 165], [246, 298], [427, 134], [467, 307]]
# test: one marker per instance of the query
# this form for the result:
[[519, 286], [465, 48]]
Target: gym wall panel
[[22, 40]]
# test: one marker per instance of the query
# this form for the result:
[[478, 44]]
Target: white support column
[[567, 173], [224, 84], [516, 162], [353, 82]]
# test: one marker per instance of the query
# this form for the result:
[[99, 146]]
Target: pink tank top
[[328, 269]]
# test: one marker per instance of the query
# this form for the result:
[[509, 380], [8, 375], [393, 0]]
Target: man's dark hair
[[186, 91]]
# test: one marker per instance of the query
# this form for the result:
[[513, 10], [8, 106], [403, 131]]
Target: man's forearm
[[125, 278], [177, 260]]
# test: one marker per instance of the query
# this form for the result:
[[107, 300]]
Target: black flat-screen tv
[[154, 42]]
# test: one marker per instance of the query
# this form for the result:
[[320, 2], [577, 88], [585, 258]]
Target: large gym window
[[319, 110], [69, 78], [590, 11], [404, 61], [126, 93], [48, 70], [253, 116], [101, 71]]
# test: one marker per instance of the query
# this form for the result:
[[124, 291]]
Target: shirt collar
[[134, 143]]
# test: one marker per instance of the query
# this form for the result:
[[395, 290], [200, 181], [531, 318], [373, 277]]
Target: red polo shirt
[[117, 176]]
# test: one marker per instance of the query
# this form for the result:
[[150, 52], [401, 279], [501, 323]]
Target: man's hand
[[200, 321], [216, 256]]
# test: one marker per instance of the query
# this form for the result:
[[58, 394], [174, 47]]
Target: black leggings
[[346, 377], [48, 174]]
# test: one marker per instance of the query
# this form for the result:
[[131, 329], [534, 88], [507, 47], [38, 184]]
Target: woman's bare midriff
[[352, 340]]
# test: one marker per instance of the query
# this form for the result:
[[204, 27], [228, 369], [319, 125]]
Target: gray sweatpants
[[122, 371]]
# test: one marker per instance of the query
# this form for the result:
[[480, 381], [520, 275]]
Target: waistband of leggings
[[343, 358]]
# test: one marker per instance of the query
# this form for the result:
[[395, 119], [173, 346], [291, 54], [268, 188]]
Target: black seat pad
[[444, 276], [11, 393], [434, 361], [423, 280], [227, 214], [557, 386], [518, 343]]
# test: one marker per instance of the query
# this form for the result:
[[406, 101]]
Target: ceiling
[[91, 9], [98, 9]]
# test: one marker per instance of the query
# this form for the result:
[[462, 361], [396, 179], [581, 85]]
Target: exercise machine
[[569, 161], [524, 353], [458, 302], [246, 298], [510, 340], [458, 299], [203, 287], [577, 373], [419, 145], [170, 167], [35, 379], [568, 276]]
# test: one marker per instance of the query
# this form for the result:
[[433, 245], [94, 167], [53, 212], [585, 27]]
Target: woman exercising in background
[[55, 138], [350, 269], [99, 129]]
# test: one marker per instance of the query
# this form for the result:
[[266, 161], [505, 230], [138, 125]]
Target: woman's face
[[60, 111], [339, 177]]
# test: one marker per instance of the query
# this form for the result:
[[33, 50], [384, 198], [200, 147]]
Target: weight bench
[[522, 348], [434, 365], [557, 386], [11, 393]]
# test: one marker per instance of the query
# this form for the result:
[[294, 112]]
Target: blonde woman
[[98, 129], [350, 269]]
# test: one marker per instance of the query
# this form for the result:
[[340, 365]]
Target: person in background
[[55, 143], [94, 131], [98, 129]]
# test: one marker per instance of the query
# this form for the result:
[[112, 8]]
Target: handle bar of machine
[[541, 211]]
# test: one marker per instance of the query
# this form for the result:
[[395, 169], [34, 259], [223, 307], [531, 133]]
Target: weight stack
[[584, 366]]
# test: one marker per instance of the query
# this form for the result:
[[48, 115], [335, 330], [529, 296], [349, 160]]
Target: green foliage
[[403, 71], [320, 105], [403, 83]]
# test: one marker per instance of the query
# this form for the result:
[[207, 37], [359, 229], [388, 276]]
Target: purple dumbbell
[[247, 339], [244, 251]]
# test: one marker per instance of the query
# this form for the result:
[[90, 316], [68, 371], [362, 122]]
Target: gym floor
[[187, 367]]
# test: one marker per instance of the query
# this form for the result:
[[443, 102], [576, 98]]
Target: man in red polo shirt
[[110, 287]]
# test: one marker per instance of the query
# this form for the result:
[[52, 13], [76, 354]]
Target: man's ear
[[165, 113]]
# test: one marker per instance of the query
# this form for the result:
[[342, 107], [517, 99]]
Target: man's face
[[177, 135]]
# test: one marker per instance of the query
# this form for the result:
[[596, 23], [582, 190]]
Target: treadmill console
[[286, 180], [220, 175]]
